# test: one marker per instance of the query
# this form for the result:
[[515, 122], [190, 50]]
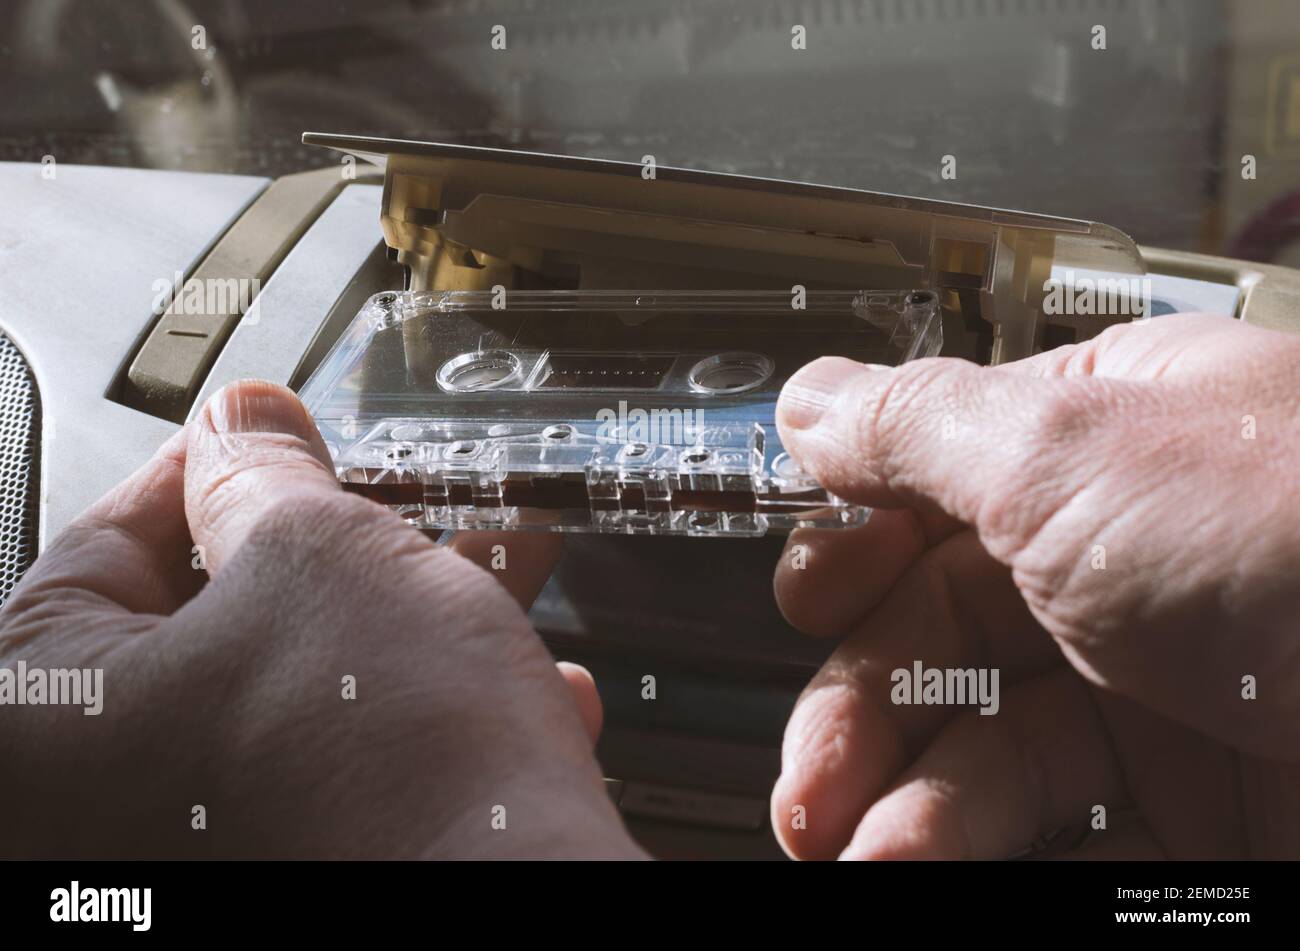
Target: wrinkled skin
[[229, 693], [1000, 494]]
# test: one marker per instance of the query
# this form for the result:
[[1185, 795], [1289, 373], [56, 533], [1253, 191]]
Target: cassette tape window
[[631, 412]]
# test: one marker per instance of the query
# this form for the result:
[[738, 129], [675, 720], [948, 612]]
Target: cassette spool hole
[[732, 372], [480, 370]]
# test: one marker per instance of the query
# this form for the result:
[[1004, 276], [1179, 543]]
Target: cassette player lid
[[548, 213]]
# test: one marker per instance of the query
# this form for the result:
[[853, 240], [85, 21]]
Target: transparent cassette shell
[[625, 412]]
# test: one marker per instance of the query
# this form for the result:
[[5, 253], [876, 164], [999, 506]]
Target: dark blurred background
[[1147, 134]]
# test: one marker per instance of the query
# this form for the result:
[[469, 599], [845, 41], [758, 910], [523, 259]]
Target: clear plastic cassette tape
[[595, 411]]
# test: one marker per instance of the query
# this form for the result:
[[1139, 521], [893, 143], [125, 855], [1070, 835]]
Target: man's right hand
[[1115, 527]]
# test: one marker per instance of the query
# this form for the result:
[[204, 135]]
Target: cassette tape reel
[[595, 411]]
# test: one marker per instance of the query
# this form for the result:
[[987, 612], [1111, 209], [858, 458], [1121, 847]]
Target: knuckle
[[1058, 440], [1050, 435], [915, 397], [212, 502], [348, 543], [1060, 413], [317, 532]]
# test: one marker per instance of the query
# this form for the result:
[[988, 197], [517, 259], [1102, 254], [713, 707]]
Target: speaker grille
[[19, 472]]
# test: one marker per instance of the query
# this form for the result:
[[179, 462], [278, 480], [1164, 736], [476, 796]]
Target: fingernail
[[808, 393], [256, 406]]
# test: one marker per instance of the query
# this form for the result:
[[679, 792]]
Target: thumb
[[998, 451], [252, 449]]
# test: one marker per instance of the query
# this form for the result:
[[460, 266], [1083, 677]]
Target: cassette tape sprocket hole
[[480, 370], [704, 520], [733, 372]]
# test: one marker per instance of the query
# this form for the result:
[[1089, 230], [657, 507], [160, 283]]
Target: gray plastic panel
[[300, 293], [79, 258]]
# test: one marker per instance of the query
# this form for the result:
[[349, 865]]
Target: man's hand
[[1115, 527], [233, 694]]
